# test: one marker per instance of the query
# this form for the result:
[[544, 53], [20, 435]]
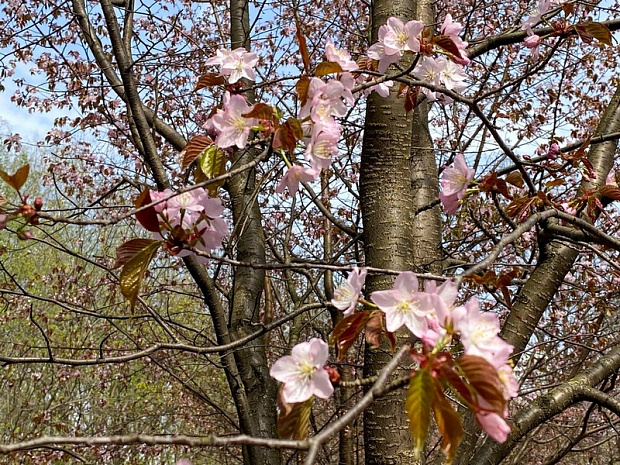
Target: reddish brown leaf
[[260, 111], [295, 126], [411, 98], [456, 383], [129, 249], [346, 332], [611, 192], [374, 329], [327, 67], [515, 179], [492, 183], [209, 80], [568, 8], [484, 380], [302, 89], [194, 149], [147, 218], [448, 424], [593, 30], [17, 180], [447, 44], [284, 139], [293, 419], [554, 183], [303, 47]]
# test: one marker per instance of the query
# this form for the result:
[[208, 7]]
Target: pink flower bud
[[532, 41]]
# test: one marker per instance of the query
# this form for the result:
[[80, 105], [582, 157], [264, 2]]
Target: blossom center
[[405, 307], [238, 123], [344, 293], [306, 370]]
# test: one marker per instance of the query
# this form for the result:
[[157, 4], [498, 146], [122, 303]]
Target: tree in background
[[350, 199]]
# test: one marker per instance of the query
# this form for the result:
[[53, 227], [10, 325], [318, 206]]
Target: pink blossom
[[400, 37], [452, 29], [345, 297], [303, 373], [480, 335], [233, 128], [451, 75], [428, 70], [294, 176], [532, 42], [236, 64], [442, 299], [377, 52], [510, 386], [323, 144], [450, 203], [611, 178], [456, 178], [543, 7], [404, 305], [494, 425], [383, 89], [340, 56], [554, 151]]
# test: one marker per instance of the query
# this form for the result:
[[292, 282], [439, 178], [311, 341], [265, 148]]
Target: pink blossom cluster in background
[[189, 219]]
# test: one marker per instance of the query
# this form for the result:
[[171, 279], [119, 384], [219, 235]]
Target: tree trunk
[[397, 176]]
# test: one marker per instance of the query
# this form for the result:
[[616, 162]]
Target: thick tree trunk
[[397, 176], [248, 286]]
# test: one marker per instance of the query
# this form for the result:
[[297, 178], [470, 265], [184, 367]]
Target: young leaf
[[208, 80], [134, 270], [449, 425], [284, 139], [346, 332], [589, 30], [448, 45], [260, 111], [213, 164], [483, 378], [303, 47], [374, 329], [420, 400], [294, 419], [302, 89], [147, 218], [611, 192], [327, 67], [130, 249], [17, 180], [194, 148], [515, 179]]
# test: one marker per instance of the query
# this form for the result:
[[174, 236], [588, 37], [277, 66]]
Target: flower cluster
[[454, 183], [189, 219], [231, 127], [431, 315], [236, 64]]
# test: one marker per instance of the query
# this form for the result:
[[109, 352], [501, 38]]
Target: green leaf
[[134, 270], [420, 400], [213, 164], [448, 423], [327, 67], [17, 180], [294, 419], [484, 380]]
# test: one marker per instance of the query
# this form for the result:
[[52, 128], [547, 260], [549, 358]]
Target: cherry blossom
[[543, 7], [400, 37], [340, 56], [404, 305], [452, 29], [532, 42], [189, 219], [236, 64], [494, 425], [294, 176], [454, 183], [346, 295], [383, 89], [480, 335], [233, 128], [303, 372]]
